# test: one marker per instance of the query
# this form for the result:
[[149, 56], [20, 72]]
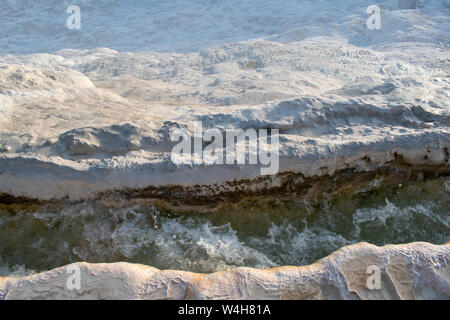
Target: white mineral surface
[[79, 121], [412, 271]]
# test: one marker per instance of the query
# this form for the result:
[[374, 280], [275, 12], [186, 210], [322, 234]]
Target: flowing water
[[252, 235]]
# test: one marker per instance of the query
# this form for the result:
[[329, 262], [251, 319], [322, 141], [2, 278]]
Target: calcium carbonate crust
[[409, 271]]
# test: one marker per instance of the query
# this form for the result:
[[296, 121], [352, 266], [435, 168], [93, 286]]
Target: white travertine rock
[[80, 122], [410, 271]]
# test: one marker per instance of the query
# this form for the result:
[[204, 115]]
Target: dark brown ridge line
[[291, 184]]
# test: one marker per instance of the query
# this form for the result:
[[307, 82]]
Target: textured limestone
[[410, 271]]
